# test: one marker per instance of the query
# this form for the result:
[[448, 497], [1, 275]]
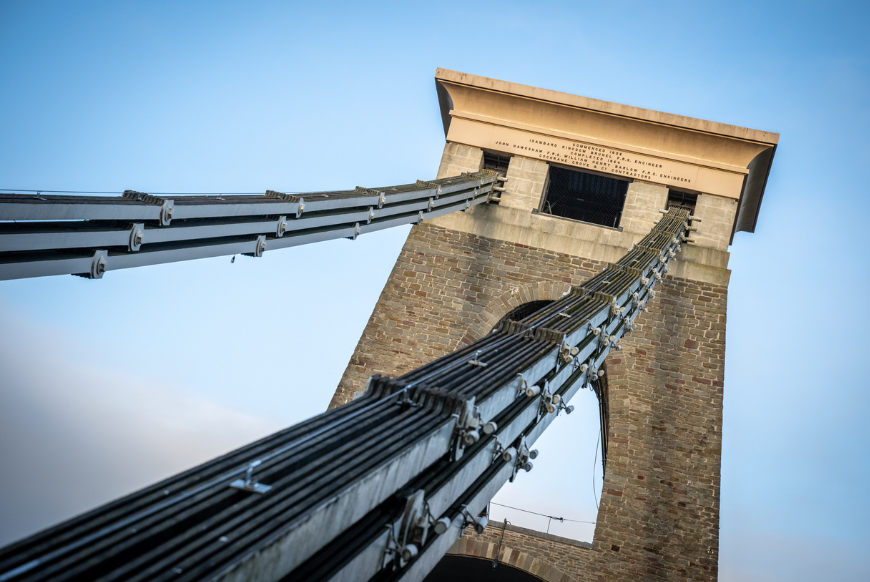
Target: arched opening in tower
[[560, 496], [470, 569], [521, 312]]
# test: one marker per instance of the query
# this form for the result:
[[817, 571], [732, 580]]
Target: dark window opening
[[496, 162], [685, 200], [585, 197]]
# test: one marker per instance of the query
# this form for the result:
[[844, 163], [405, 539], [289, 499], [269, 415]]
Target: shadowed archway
[[473, 569], [501, 306]]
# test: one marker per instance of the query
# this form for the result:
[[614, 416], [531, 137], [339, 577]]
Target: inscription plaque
[[578, 154]]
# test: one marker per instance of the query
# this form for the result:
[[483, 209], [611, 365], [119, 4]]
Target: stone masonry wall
[[445, 287], [659, 513], [546, 556], [518, 537]]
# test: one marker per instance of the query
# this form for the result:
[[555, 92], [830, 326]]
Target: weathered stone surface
[[659, 513], [717, 219], [544, 555], [642, 204], [458, 158], [449, 287], [525, 184]]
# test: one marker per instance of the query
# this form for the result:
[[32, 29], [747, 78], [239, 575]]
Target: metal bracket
[[567, 353], [479, 523], [615, 308], [413, 529], [467, 431], [523, 454], [521, 388], [568, 408], [259, 247], [499, 450], [98, 264], [549, 401], [137, 232], [592, 374], [475, 361], [166, 212], [405, 402], [248, 484], [604, 339], [281, 227]]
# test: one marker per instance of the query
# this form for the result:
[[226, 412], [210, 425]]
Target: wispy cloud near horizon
[[75, 433]]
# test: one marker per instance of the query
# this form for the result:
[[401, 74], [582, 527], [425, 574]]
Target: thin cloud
[[74, 433]]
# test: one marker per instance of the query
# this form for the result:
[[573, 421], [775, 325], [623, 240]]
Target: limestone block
[[525, 185], [717, 219], [458, 158], [642, 204]]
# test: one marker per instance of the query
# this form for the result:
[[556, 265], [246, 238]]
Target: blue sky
[[106, 386]]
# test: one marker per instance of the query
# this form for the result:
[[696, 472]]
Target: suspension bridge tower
[[584, 180]]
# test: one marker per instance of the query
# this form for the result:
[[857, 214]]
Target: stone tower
[[586, 180]]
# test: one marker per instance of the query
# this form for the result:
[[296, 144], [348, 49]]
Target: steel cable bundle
[[377, 489]]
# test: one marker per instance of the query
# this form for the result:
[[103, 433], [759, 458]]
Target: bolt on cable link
[[380, 488]]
